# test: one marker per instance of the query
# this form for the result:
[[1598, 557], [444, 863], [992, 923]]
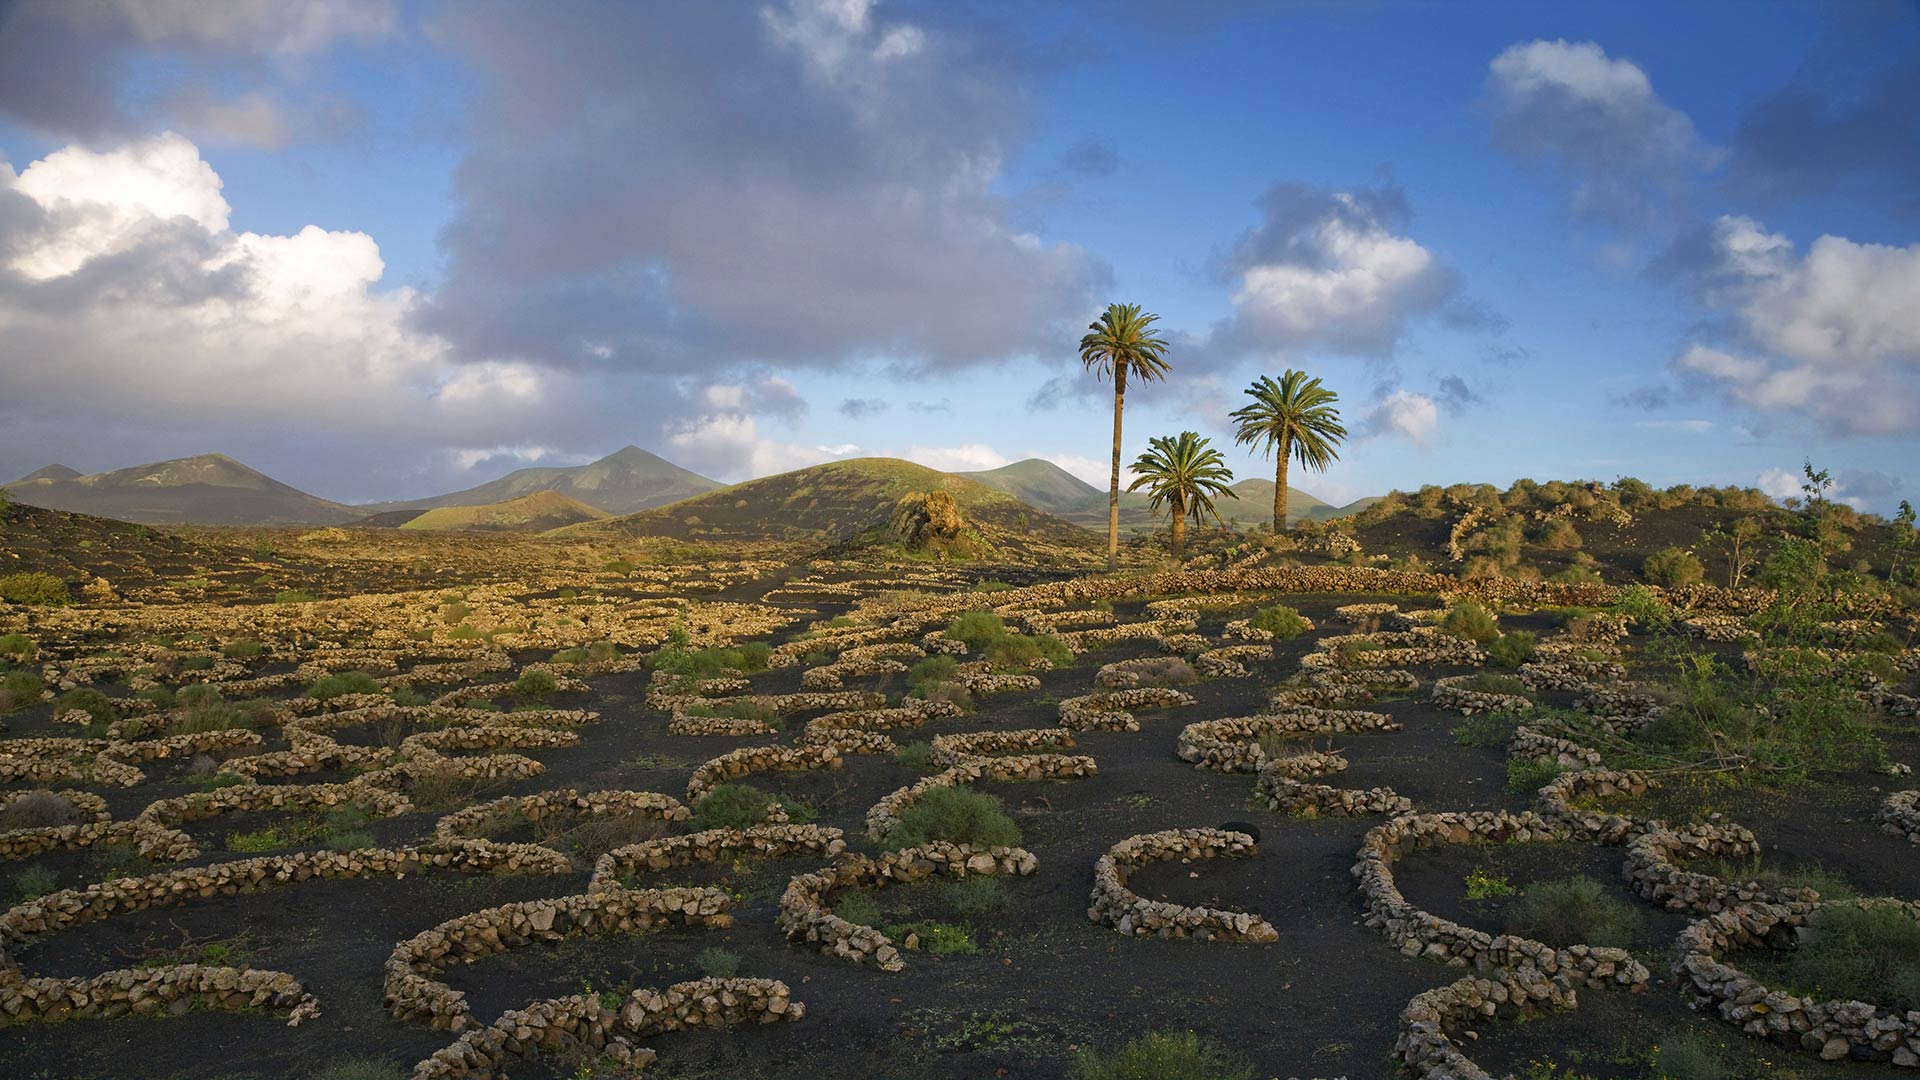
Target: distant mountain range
[[635, 492], [1040, 483], [626, 481], [207, 489]]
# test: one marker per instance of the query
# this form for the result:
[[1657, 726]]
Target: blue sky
[[1569, 240]]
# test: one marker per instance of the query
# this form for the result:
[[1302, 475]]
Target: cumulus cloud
[[1407, 413], [728, 445], [1831, 333], [64, 66], [678, 188], [969, 457], [1624, 155], [1330, 269]]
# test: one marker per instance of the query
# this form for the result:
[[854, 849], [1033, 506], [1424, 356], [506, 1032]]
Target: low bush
[[731, 806], [1860, 954], [19, 689], [341, 683], [35, 882], [1484, 885], [1526, 777], [535, 685], [35, 590], [1280, 620], [856, 907], [1684, 1055], [242, 649], [1018, 652], [955, 814], [359, 1069], [708, 663], [1486, 682], [1162, 1056], [931, 672], [915, 755], [293, 596], [1164, 671], [977, 896], [1574, 911], [350, 840], [38, 810], [1576, 575], [1672, 568], [1471, 621], [17, 647], [1830, 886], [1514, 648], [1559, 535], [977, 628], [1485, 731], [718, 963], [95, 704]]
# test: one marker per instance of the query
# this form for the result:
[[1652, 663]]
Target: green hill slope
[[538, 512], [624, 482]]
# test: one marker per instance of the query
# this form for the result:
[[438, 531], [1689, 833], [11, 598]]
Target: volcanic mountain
[[206, 489], [1041, 483], [538, 512], [624, 482]]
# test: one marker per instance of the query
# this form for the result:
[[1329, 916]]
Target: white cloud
[[729, 446], [1092, 470], [1690, 427], [99, 204], [1403, 412], [1623, 153], [1833, 334], [970, 457], [1779, 483]]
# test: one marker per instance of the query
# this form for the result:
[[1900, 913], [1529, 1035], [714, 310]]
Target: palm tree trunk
[[1280, 488], [1179, 527], [1113, 488]]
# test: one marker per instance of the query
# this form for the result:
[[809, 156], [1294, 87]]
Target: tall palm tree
[[1121, 343], [1295, 419], [1186, 475]]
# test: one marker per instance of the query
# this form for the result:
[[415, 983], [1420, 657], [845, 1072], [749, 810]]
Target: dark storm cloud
[[685, 187], [1847, 127]]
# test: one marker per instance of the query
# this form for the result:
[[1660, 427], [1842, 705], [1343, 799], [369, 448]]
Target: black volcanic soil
[[1322, 1001]]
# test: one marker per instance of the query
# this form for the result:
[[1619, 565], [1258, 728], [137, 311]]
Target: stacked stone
[[684, 723], [1128, 912], [463, 670], [582, 1026], [46, 761], [1899, 815], [1080, 641], [413, 993], [710, 845], [1280, 789], [981, 682], [1232, 744], [147, 839], [1557, 800], [562, 685], [1420, 933], [464, 824], [758, 759], [170, 990], [833, 676], [1573, 674], [1714, 627], [1832, 1029], [1230, 661], [1183, 644], [951, 750], [847, 741], [1110, 710], [882, 816], [1425, 1045], [1653, 868], [1453, 695], [1055, 621], [1529, 743], [805, 916], [1127, 674]]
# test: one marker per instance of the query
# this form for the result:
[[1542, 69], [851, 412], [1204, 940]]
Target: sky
[[386, 248]]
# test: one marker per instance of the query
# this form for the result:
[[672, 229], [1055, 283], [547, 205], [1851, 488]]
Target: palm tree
[[1121, 343], [1185, 474], [1295, 419]]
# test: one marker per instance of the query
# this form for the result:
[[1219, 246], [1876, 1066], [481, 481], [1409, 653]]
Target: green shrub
[[931, 672], [243, 649], [617, 566], [955, 814], [1526, 777], [1860, 954], [535, 685], [938, 938], [407, 696], [38, 809], [1640, 605], [88, 700], [35, 590], [707, 663], [1484, 730], [465, 632], [1514, 648], [1576, 575], [731, 806], [859, 908], [344, 682], [602, 651], [1686, 1056], [915, 755], [1471, 621], [19, 689], [349, 840], [718, 963], [1281, 621], [1672, 568], [254, 842], [1574, 911], [1017, 652], [1163, 1056], [19, 647], [35, 882], [977, 896], [977, 628], [570, 656], [1486, 682], [1830, 886], [1559, 535], [1482, 885], [293, 596], [359, 1069]]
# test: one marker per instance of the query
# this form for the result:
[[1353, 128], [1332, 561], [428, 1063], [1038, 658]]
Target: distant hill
[[624, 482], [830, 503], [207, 489], [538, 512], [1041, 483]]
